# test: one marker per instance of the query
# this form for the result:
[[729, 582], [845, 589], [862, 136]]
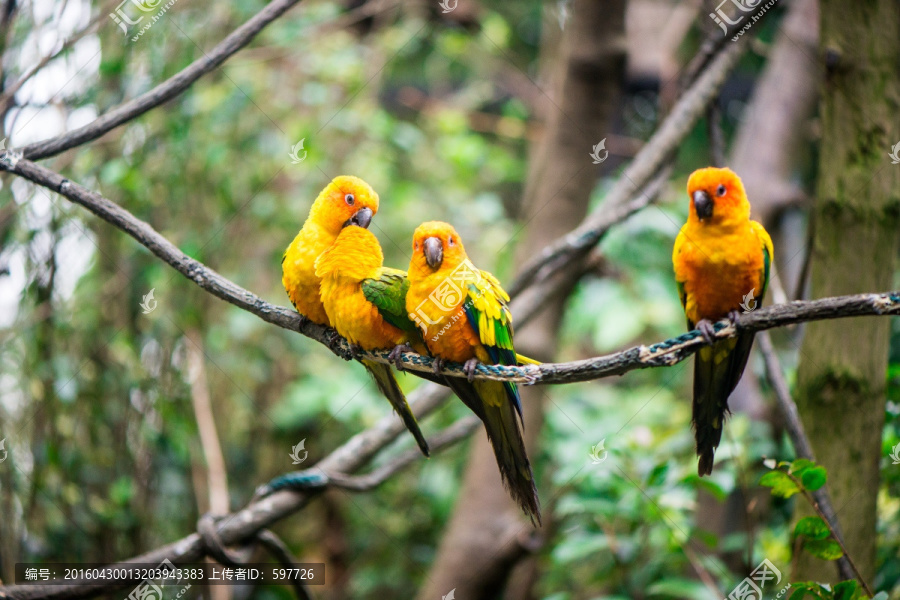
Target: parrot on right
[[722, 261]]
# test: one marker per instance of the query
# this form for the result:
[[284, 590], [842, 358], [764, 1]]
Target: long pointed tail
[[717, 371], [489, 400], [386, 382]]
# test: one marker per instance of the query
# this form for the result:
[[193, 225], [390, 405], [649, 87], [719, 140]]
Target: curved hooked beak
[[434, 252], [703, 204], [362, 218]]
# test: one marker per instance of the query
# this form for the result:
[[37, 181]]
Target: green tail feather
[[386, 382], [713, 383], [489, 401]]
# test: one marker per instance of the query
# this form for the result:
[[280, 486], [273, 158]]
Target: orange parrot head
[[347, 200], [436, 247], [717, 197]]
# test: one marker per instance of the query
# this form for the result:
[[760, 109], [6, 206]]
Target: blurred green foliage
[[96, 406]]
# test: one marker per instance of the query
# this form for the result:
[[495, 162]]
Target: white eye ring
[[720, 191], [349, 199], [450, 241]]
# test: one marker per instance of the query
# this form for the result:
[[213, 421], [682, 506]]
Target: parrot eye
[[450, 241], [720, 191], [349, 199]]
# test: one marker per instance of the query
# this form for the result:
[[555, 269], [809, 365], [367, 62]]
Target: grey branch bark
[[258, 515], [167, 90], [639, 172], [665, 353]]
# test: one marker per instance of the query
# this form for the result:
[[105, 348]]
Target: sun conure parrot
[[722, 262], [366, 303], [463, 314], [345, 201]]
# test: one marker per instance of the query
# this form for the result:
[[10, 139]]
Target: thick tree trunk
[[841, 379], [488, 535]]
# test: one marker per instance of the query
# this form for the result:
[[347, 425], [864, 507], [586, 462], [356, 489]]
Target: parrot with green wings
[[463, 313], [366, 303]]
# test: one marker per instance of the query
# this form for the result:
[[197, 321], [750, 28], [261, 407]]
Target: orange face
[[717, 195], [347, 200], [436, 245]]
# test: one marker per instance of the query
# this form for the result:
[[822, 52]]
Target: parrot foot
[[333, 340], [734, 316], [469, 368], [707, 330], [438, 365], [395, 355], [355, 351]]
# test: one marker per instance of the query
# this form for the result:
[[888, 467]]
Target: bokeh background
[[446, 115]]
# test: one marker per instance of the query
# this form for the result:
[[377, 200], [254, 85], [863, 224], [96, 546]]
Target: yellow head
[[347, 200], [355, 254], [436, 247], [717, 197]]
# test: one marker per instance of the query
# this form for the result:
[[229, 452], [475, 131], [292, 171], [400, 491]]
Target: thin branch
[[666, 353], [363, 483], [245, 524], [6, 100], [714, 43], [166, 90], [210, 447], [815, 505], [639, 172], [797, 433], [279, 550]]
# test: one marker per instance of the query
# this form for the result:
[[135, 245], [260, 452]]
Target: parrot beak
[[362, 218], [434, 252], [703, 204]]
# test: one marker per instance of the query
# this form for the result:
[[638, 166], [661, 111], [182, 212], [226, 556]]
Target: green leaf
[[846, 590], [781, 484], [813, 528], [802, 589], [824, 549], [800, 465], [678, 588], [814, 478]]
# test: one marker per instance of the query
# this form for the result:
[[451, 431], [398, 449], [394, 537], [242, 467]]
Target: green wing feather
[[489, 315], [388, 293]]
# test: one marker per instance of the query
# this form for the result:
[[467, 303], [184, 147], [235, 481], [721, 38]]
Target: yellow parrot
[[347, 200], [366, 303], [722, 261]]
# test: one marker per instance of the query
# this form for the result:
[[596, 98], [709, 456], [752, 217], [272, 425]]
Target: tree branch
[[662, 354], [8, 96], [166, 90], [256, 516], [800, 441], [639, 172], [460, 430]]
